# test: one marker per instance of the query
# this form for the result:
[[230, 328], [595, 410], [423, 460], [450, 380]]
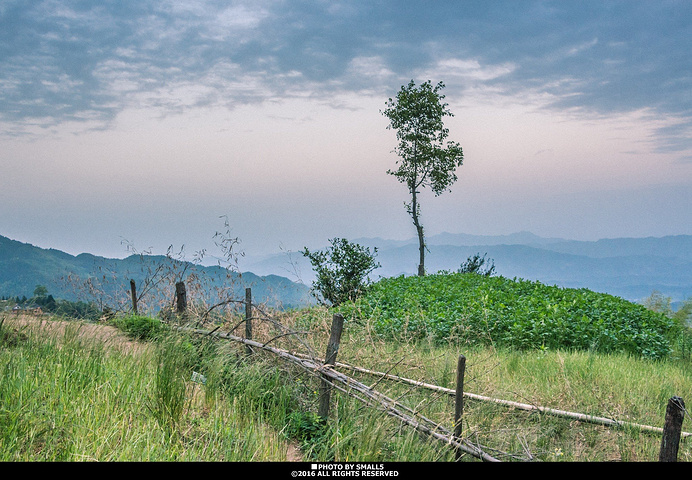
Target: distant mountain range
[[88, 277], [631, 268]]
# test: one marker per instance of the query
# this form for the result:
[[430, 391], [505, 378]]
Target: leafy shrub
[[139, 327], [475, 263], [304, 426], [513, 313], [342, 271], [682, 338]]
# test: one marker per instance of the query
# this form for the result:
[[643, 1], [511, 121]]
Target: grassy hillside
[[512, 313], [567, 349], [65, 395]]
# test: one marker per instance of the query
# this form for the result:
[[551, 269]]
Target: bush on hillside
[[342, 271], [139, 327], [478, 265], [511, 313]]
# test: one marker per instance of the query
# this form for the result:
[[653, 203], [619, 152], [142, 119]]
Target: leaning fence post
[[133, 291], [248, 318], [180, 297], [459, 401], [330, 359], [670, 442]]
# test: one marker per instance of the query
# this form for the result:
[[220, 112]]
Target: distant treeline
[[44, 302]]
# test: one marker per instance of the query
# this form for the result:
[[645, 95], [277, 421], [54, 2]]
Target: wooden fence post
[[670, 442], [459, 401], [180, 297], [248, 318], [133, 291], [330, 359]]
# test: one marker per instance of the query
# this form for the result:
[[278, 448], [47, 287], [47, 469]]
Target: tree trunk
[[419, 230], [421, 250]]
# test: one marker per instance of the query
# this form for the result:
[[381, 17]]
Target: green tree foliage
[[475, 264], [40, 291], [426, 159], [684, 313], [659, 303], [342, 271]]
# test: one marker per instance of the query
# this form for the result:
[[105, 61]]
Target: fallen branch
[[521, 406], [366, 395]]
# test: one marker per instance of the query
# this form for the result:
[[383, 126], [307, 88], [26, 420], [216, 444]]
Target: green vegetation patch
[[139, 327], [511, 313]]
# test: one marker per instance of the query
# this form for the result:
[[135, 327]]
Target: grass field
[[80, 391]]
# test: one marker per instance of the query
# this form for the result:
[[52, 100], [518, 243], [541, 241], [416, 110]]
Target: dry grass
[[87, 332]]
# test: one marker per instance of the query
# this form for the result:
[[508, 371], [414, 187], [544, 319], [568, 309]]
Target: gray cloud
[[72, 60]]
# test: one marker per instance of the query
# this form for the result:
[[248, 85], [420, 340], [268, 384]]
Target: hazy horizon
[[212, 257], [151, 124]]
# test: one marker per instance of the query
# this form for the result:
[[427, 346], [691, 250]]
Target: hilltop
[[517, 314], [631, 268]]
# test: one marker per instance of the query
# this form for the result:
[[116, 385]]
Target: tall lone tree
[[425, 159]]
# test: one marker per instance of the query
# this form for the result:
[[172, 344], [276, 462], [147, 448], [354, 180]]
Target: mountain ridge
[[629, 267], [78, 277]]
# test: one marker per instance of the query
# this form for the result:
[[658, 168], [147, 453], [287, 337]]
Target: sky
[[136, 125]]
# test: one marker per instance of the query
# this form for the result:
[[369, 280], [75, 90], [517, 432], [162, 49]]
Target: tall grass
[[170, 397], [620, 386], [63, 398]]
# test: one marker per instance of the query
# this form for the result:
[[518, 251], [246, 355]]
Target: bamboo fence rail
[[364, 394], [521, 406]]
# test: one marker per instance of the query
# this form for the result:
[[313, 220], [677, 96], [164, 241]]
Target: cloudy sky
[[157, 123]]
